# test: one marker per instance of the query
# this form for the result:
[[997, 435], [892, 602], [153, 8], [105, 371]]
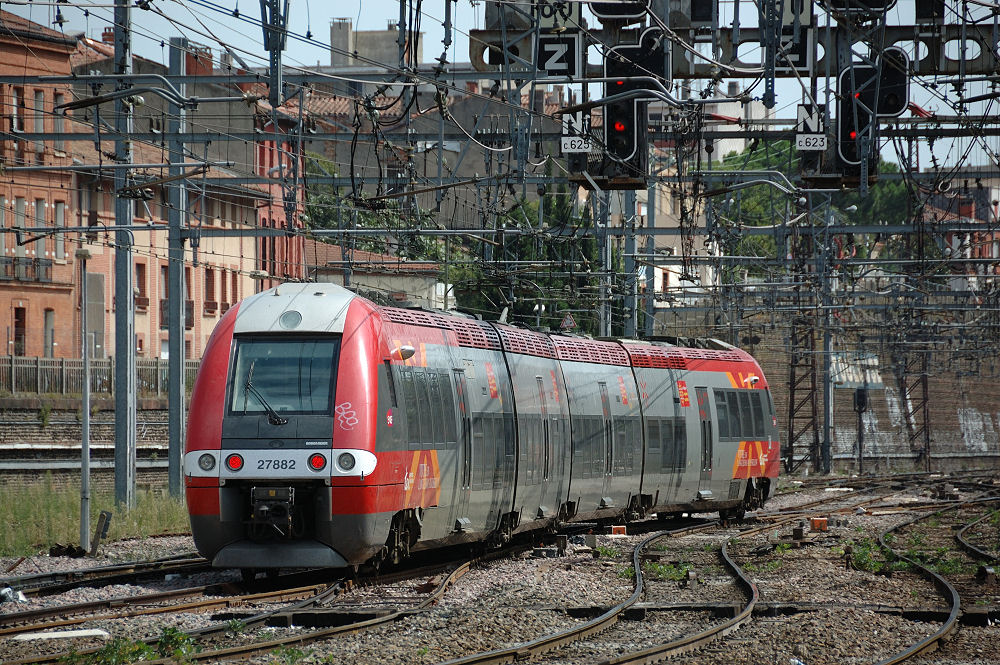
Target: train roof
[[322, 307], [295, 307]]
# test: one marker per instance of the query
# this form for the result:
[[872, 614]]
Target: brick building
[[37, 294]]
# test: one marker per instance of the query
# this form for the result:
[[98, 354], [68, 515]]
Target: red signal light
[[234, 462], [619, 126], [853, 135], [619, 82], [317, 462]]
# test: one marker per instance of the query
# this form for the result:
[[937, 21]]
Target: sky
[[235, 22], [202, 21]]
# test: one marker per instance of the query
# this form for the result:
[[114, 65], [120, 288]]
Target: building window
[[20, 330], [209, 284], [164, 283], [40, 220], [39, 124], [60, 222], [58, 122], [141, 299], [3, 225], [20, 214], [17, 110], [233, 292], [140, 278], [50, 333]]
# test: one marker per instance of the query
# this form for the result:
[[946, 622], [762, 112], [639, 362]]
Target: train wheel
[[248, 575]]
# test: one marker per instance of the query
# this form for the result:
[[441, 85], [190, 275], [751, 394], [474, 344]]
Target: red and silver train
[[325, 430]]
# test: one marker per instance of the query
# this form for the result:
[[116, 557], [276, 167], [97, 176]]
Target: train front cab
[[279, 455]]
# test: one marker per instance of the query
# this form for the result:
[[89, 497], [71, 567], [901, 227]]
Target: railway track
[[43, 584], [317, 598], [320, 604]]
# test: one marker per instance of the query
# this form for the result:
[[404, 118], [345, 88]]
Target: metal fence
[[21, 375]]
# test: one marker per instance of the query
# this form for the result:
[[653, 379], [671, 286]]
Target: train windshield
[[278, 376]]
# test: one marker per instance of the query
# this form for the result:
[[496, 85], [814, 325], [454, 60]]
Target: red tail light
[[234, 462], [317, 462]]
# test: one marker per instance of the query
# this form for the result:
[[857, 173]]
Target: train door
[[705, 426], [464, 483], [544, 474], [608, 439]]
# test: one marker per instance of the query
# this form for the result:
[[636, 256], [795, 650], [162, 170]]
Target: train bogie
[[327, 431]]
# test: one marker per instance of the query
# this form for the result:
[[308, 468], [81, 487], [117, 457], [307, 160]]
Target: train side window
[[490, 441], [390, 381], [758, 415], [412, 409], [423, 415], [577, 440], [722, 411], [437, 411], [746, 416], [734, 415], [622, 446], [680, 444], [478, 445], [448, 405]]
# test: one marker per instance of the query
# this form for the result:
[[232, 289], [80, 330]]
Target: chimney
[[472, 87], [108, 36], [199, 60]]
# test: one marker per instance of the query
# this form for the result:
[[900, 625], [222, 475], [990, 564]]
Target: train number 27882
[[275, 464]]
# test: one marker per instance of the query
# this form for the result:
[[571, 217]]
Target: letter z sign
[[559, 55]]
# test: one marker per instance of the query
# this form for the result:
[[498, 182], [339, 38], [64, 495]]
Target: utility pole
[[177, 194], [125, 389], [82, 255], [650, 296], [827, 302], [605, 245], [631, 279]]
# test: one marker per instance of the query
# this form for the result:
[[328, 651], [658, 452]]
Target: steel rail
[[945, 588], [971, 549], [554, 640], [57, 582], [257, 647], [660, 652], [279, 595], [328, 590], [657, 653]]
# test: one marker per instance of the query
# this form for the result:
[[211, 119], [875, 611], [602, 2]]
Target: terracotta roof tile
[[319, 254], [9, 21]]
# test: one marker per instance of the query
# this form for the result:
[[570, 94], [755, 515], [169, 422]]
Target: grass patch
[[42, 514], [606, 552], [667, 571], [766, 567]]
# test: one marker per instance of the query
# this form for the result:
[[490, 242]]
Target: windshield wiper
[[272, 415]]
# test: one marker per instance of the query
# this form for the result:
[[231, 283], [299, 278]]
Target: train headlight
[[346, 461], [317, 462], [234, 462], [206, 462]]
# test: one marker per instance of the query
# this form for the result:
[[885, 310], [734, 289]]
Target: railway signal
[[626, 127], [866, 93], [626, 12]]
